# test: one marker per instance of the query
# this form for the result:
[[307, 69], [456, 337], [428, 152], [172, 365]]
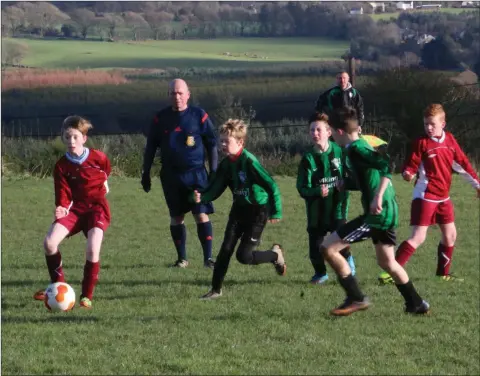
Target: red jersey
[[433, 159], [81, 180]]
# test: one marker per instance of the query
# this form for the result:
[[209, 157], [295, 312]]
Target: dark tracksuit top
[[182, 137], [336, 98]]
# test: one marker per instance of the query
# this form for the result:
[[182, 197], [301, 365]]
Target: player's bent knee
[[201, 218], [50, 246], [245, 258]]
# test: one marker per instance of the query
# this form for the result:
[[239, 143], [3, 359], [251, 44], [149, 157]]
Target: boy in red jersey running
[[80, 179], [432, 159]]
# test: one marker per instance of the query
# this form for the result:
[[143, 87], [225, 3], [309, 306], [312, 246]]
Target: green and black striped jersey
[[323, 168], [249, 182], [368, 167]]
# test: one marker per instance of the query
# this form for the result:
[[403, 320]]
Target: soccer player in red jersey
[[432, 160], [80, 179]]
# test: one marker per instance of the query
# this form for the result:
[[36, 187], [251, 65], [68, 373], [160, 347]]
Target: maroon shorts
[[84, 217], [427, 213]]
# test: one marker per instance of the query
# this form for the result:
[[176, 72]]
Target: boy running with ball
[[80, 179]]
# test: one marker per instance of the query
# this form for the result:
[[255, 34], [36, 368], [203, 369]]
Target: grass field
[[180, 53], [147, 318]]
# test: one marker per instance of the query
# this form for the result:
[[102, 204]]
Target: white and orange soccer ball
[[59, 297]]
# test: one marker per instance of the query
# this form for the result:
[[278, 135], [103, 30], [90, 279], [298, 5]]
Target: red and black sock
[[90, 278], [54, 265], [444, 259]]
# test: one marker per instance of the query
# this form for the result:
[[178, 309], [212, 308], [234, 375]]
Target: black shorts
[[357, 230], [178, 186]]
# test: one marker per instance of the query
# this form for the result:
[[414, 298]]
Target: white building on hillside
[[404, 6], [375, 5]]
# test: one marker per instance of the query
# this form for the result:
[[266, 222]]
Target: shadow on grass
[[64, 318]]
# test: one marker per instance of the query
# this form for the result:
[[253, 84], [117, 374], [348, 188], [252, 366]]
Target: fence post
[[351, 69]]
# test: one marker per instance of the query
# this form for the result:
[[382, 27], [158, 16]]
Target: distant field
[[387, 16], [227, 53]]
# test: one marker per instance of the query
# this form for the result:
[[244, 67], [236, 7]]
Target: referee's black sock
[[410, 294], [350, 285], [179, 236]]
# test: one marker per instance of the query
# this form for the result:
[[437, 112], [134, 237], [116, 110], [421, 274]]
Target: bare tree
[[160, 23], [110, 22], [85, 19], [42, 15], [135, 22], [243, 17], [207, 16], [12, 19]]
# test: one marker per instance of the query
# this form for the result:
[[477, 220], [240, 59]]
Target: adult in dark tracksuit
[[340, 96], [183, 133]]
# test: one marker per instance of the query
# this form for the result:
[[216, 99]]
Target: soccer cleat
[[385, 279], [351, 263], [422, 309], [209, 264], [449, 278], [350, 306], [280, 265], [180, 264], [39, 295], [85, 302], [211, 295], [319, 279]]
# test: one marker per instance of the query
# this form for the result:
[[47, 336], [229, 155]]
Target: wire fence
[[34, 131]]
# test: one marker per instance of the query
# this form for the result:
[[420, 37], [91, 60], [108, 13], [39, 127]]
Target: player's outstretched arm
[[216, 186], [462, 165]]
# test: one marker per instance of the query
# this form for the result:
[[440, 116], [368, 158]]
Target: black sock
[[205, 235], [263, 257], [179, 236], [410, 294], [350, 285]]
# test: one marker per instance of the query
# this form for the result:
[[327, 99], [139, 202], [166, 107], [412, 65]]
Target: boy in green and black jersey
[[256, 200], [320, 173]]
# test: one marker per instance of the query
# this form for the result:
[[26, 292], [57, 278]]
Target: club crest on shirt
[[190, 141], [336, 163], [242, 176]]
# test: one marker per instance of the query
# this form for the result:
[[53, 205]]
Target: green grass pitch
[[147, 318]]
